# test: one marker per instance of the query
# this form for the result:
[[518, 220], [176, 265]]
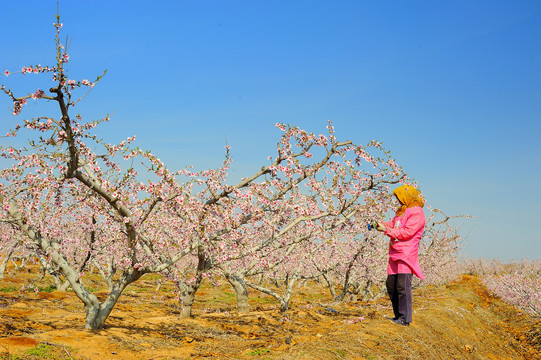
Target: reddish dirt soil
[[458, 321]]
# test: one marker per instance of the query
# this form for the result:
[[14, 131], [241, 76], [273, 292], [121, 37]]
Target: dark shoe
[[401, 322]]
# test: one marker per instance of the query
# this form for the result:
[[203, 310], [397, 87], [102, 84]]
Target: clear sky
[[452, 88]]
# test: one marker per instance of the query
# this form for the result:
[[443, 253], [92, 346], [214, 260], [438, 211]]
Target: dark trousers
[[399, 290]]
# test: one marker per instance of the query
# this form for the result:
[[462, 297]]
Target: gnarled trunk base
[[239, 285]]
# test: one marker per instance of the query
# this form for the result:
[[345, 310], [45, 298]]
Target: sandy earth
[[457, 321]]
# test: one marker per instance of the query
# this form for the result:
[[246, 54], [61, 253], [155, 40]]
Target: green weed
[[258, 352], [41, 351], [48, 289], [10, 357], [9, 289]]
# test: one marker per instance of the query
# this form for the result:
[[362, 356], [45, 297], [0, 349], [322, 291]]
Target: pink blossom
[[38, 94], [18, 106], [355, 320]]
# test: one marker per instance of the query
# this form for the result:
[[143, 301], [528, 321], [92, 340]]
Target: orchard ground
[[460, 320]]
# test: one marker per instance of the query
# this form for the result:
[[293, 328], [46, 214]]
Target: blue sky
[[452, 88]]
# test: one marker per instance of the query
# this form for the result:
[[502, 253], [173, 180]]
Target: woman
[[405, 232]]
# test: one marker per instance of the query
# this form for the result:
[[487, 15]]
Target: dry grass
[[458, 321]]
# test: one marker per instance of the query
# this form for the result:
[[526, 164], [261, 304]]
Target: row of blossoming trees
[[74, 203], [516, 283]]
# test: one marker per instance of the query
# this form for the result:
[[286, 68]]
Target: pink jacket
[[405, 232]]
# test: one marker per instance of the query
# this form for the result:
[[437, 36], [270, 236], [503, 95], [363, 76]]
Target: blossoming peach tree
[[75, 201], [313, 188], [76, 207], [518, 284]]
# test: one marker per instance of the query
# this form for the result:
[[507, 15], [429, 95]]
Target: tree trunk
[[187, 295], [347, 277], [330, 285], [63, 286], [187, 291], [4, 263], [22, 264], [290, 282], [107, 276], [284, 300], [60, 285], [239, 285], [96, 312]]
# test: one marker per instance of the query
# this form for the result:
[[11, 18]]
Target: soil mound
[[458, 321]]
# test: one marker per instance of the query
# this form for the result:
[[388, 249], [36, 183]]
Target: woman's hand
[[380, 227]]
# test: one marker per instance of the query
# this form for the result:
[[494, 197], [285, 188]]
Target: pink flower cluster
[[18, 106], [36, 69], [38, 94]]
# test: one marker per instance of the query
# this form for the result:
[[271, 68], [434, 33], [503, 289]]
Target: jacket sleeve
[[389, 224], [414, 222]]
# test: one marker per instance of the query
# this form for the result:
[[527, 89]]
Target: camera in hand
[[372, 225]]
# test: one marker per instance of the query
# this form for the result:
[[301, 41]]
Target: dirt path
[[457, 321]]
